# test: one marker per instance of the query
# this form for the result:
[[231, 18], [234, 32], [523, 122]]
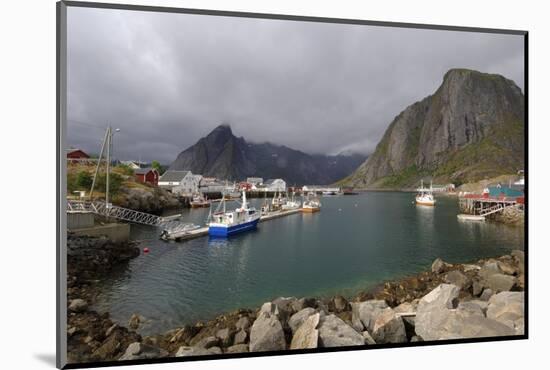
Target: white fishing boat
[[199, 201], [424, 196], [225, 223], [311, 204], [290, 204]]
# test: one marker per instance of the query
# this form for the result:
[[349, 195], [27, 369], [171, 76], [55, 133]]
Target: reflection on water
[[352, 244]]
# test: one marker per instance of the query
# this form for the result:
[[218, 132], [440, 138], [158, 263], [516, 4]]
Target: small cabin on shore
[[76, 155], [147, 176]]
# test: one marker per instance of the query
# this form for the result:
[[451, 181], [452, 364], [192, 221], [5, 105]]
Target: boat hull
[[200, 205], [311, 209], [425, 203], [225, 231]]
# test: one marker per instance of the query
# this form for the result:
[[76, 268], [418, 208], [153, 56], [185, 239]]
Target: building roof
[[271, 181], [143, 171], [173, 176]]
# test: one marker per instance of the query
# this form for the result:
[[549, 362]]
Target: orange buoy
[[145, 250]]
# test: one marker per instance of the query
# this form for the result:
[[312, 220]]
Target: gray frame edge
[[61, 172]]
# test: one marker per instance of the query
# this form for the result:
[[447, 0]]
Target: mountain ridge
[[222, 154]]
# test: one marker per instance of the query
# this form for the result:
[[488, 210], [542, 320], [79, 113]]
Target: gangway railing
[[124, 214]]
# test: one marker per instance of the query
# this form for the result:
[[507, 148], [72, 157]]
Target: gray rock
[[285, 307], [238, 348], [481, 304], [457, 278], [433, 310], [111, 329], [78, 305], [507, 268], [500, 282], [135, 321], [302, 303], [243, 323], [334, 332], [299, 317], [470, 309], [240, 337], [208, 342], [389, 328], [489, 268], [437, 320], [416, 338], [226, 336], [468, 268], [267, 333], [339, 304], [487, 293], [185, 351], [368, 338], [364, 314], [139, 351], [306, 336], [438, 266], [519, 258], [508, 309], [477, 288]]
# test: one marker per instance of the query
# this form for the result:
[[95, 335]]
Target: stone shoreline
[[451, 301]]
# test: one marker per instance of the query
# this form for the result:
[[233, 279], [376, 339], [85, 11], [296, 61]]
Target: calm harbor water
[[354, 243]]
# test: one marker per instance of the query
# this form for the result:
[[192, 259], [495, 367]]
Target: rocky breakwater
[[147, 199], [92, 336], [450, 301]]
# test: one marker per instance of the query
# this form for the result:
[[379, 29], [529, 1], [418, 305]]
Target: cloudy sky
[[168, 79]]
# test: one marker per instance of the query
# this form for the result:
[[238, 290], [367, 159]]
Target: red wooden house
[[75, 155], [147, 176]]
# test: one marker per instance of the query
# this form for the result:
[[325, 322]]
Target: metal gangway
[[125, 214], [494, 209]]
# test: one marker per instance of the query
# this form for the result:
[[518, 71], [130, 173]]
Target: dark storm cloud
[[168, 79]]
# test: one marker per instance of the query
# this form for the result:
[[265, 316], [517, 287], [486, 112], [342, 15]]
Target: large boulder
[[243, 323], [364, 314], [436, 318], [185, 351], [299, 317], [285, 307], [139, 351], [458, 278], [240, 337], [302, 303], [433, 309], [489, 268], [500, 282], [334, 332], [438, 266], [389, 328], [508, 309], [339, 304], [267, 332], [307, 335], [225, 336]]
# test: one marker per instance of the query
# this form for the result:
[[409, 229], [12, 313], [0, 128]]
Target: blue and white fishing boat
[[224, 224]]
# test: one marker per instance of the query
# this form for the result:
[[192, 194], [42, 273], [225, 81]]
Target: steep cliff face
[[472, 127], [223, 155]]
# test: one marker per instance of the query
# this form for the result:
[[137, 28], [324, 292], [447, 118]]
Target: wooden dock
[[203, 231]]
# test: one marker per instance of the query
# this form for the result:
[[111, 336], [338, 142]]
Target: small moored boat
[[311, 204], [425, 196], [199, 201]]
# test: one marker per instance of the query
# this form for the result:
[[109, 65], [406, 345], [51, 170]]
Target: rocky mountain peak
[[470, 128]]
